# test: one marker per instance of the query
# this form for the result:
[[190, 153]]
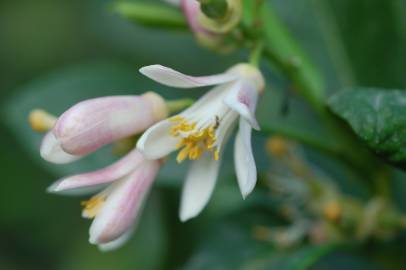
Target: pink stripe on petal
[[173, 78], [243, 98], [111, 173], [123, 204], [96, 122]]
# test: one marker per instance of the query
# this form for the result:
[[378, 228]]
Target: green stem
[[178, 104], [256, 53]]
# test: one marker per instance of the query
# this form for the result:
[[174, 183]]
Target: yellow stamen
[[92, 206], [193, 142]]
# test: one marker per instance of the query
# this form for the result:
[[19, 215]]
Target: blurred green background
[[54, 53]]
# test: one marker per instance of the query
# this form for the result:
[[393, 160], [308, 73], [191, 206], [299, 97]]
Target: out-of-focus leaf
[[378, 117], [282, 49], [233, 246], [380, 24], [298, 259], [151, 14], [346, 260]]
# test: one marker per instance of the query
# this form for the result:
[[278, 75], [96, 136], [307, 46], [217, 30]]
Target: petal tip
[[54, 188], [185, 216], [51, 150]]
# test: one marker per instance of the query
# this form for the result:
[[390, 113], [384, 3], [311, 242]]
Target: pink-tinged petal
[[113, 172], [244, 159], [125, 199], [117, 243], [199, 186], [52, 151], [96, 122], [157, 142], [242, 98], [191, 9], [173, 78]]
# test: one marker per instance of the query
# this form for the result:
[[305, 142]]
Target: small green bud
[[220, 16], [214, 9]]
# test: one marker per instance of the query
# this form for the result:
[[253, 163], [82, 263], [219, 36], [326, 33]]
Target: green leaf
[[297, 259], [152, 15], [378, 117]]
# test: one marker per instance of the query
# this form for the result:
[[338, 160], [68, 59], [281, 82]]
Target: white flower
[[201, 131]]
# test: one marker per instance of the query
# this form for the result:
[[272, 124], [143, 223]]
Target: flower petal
[[121, 209], [198, 187], [191, 9], [52, 151], [242, 98], [244, 159], [173, 78], [113, 172], [96, 122], [157, 142], [117, 243]]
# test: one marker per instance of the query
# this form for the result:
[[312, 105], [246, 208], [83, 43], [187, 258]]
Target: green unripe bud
[[214, 9]]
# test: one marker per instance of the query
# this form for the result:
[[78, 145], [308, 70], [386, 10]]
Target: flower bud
[[220, 16], [120, 208], [94, 123], [212, 32]]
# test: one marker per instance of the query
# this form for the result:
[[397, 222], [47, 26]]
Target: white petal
[[244, 159], [123, 205], [157, 142], [173, 78], [52, 151], [108, 174], [242, 98], [199, 186], [117, 243]]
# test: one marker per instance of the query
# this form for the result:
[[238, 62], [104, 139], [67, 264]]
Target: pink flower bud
[[123, 201], [94, 123]]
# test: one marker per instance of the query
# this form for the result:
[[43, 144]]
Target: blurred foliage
[[55, 53]]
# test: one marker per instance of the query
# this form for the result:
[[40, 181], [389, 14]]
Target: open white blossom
[[200, 132]]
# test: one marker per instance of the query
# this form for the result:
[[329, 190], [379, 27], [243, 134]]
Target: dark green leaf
[[378, 117]]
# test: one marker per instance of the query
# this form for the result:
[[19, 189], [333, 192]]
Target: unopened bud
[[214, 9], [220, 16], [41, 120], [333, 211], [277, 146]]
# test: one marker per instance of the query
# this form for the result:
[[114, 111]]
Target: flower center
[[193, 141], [92, 206]]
